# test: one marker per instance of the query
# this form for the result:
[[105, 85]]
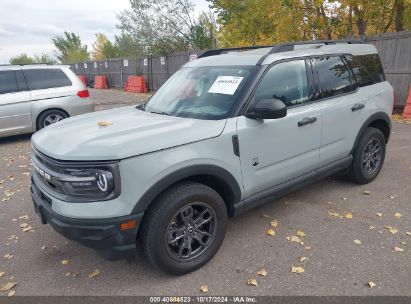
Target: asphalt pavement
[[349, 234]]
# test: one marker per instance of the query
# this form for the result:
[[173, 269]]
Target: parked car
[[229, 131], [35, 96]]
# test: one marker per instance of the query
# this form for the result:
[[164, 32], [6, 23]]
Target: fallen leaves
[[65, 262], [358, 242], [24, 217], [104, 123], [347, 215], [8, 286], [11, 293], [262, 272], [270, 232], [379, 214], [398, 215], [408, 233], [204, 288], [367, 192], [274, 224], [391, 229], [295, 239], [43, 247], [94, 273], [371, 284], [2, 273], [303, 259], [297, 269], [398, 249], [8, 256], [300, 233], [252, 282]]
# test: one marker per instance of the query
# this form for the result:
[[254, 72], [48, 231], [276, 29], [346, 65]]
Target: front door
[[273, 151]]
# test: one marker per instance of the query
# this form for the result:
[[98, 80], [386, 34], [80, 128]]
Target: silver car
[[35, 96]]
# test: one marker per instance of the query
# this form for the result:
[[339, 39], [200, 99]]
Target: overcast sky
[[28, 26]]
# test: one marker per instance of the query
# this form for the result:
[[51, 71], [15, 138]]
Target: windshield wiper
[[161, 113], [141, 106]]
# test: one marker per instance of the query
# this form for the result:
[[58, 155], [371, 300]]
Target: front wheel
[[184, 228], [368, 157]]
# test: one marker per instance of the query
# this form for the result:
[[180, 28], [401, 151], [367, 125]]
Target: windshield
[[202, 92]]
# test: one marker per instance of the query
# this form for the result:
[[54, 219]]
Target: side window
[[333, 75], [8, 82], [286, 81], [367, 69], [38, 79]]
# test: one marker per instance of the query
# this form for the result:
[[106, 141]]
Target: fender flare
[[376, 116], [211, 170]]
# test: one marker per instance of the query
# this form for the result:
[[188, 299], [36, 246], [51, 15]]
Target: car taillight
[[83, 94]]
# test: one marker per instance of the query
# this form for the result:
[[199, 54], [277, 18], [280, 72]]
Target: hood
[[133, 132]]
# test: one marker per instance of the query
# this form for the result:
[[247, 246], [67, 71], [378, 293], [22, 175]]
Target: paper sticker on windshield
[[225, 85]]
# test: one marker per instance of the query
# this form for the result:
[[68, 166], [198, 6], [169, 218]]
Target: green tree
[[205, 32], [104, 48], [45, 58], [22, 59], [25, 59], [166, 25], [70, 48], [248, 22], [128, 46]]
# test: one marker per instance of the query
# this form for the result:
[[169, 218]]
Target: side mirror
[[268, 109]]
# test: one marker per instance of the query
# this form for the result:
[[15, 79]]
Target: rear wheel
[[368, 157], [50, 117], [184, 228]]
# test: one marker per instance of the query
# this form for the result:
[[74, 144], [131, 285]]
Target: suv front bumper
[[103, 235]]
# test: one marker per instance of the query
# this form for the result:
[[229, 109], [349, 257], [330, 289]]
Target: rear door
[[342, 106], [15, 109], [48, 83]]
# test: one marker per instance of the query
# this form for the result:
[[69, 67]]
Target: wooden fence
[[394, 50], [395, 53]]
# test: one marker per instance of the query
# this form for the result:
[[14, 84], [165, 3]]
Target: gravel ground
[[336, 265]]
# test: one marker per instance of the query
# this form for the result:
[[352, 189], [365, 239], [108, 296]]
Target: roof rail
[[290, 46], [23, 64], [278, 48], [215, 52]]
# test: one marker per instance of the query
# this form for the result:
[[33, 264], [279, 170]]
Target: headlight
[[87, 182], [78, 182]]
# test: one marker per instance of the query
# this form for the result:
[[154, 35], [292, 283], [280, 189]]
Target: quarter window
[[286, 81], [8, 82], [333, 75], [38, 79], [367, 69]]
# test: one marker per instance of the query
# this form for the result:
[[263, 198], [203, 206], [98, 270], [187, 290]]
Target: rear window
[[38, 79], [367, 69], [8, 83]]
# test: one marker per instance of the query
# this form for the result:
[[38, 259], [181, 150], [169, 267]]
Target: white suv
[[227, 132], [35, 96]]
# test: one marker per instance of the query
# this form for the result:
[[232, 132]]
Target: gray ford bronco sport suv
[[229, 131]]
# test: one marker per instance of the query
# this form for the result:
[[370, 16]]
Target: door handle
[[307, 121], [357, 106]]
